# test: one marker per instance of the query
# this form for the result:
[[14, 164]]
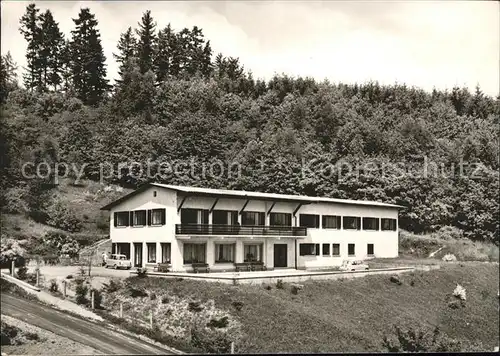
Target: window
[[253, 253], [331, 222], [352, 223], [151, 252], [389, 224], [121, 218], [309, 250], [370, 250], [350, 250], [253, 218], [165, 252], [224, 217], [280, 219], [309, 220], [138, 218], [154, 193], [156, 217], [224, 253], [194, 253], [194, 216], [336, 249], [370, 223], [326, 249]]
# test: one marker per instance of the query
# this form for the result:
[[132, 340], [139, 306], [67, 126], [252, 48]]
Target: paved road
[[79, 330]]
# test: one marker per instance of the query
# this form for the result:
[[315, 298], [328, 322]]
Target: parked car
[[118, 261], [353, 265]]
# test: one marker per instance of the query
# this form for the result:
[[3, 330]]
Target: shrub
[[61, 243], [81, 293], [279, 284], [448, 233], [424, 339], [210, 341], [136, 293], [69, 276], [268, 287], [294, 290], [218, 323], [15, 200], [142, 272], [165, 300], [152, 296], [195, 307], [22, 273], [8, 333], [61, 217], [395, 279], [459, 292], [112, 286], [54, 287], [238, 305]]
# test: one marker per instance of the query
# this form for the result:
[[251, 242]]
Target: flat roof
[[227, 193]]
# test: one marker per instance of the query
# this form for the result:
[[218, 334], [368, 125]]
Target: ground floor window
[[309, 250], [224, 253], [252, 253], [194, 253], [123, 249], [350, 250], [326, 249], [370, 250], [165, 252], [336, 249], [151, 252]]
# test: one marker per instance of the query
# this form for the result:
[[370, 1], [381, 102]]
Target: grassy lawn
[[352, 315]]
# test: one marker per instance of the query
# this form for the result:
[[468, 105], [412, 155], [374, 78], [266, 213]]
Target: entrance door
[[137, 254], [280, 254]]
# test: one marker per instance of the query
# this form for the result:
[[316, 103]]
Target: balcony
[[239, 230]]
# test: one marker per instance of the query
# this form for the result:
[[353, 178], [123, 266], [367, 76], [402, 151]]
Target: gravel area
[[47, 341]]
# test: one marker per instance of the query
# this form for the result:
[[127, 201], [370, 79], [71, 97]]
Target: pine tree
[[88, 66], [65, 60], [51, 47], [31, 31], [126, 50], [206, 66], [164, 54], [146, 45], [8, 76]]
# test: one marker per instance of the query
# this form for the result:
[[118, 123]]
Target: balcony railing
[[210, 229]]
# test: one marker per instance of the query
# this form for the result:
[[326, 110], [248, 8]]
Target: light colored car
[[118, 261], [354, 265]]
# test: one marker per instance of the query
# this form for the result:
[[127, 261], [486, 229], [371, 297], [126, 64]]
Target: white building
[[161, 223]]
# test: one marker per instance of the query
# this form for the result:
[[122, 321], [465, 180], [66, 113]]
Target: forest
[[436, 153]]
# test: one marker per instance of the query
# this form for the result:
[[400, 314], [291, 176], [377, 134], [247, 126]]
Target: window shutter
[[317, 249], [163, 216], [115, 219], [131, 218], [317, 221], [149, 217], [262, 219]]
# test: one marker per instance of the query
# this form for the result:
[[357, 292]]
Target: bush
[[15, 200], [81, 294], [54, 287], [8, 333], [142, 272], [136, 293], [424, 340], [97, 298], [59, 216], [112, 286], [395, 279], [22, 273], [238, 305], [268, 287], [279, 284], [69, 276], [448, 233], [195, 307]]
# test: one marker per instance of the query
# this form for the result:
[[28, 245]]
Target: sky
[[425, 44]]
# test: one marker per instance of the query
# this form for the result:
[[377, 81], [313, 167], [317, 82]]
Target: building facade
[[178, 225]]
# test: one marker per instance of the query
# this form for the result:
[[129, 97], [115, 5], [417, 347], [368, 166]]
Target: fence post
[[92, 296], [232, 347], [13, 268], [64, 282], [151, 318], [37, 277], [121, 310]]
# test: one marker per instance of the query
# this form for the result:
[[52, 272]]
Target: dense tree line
[[175, 101]]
